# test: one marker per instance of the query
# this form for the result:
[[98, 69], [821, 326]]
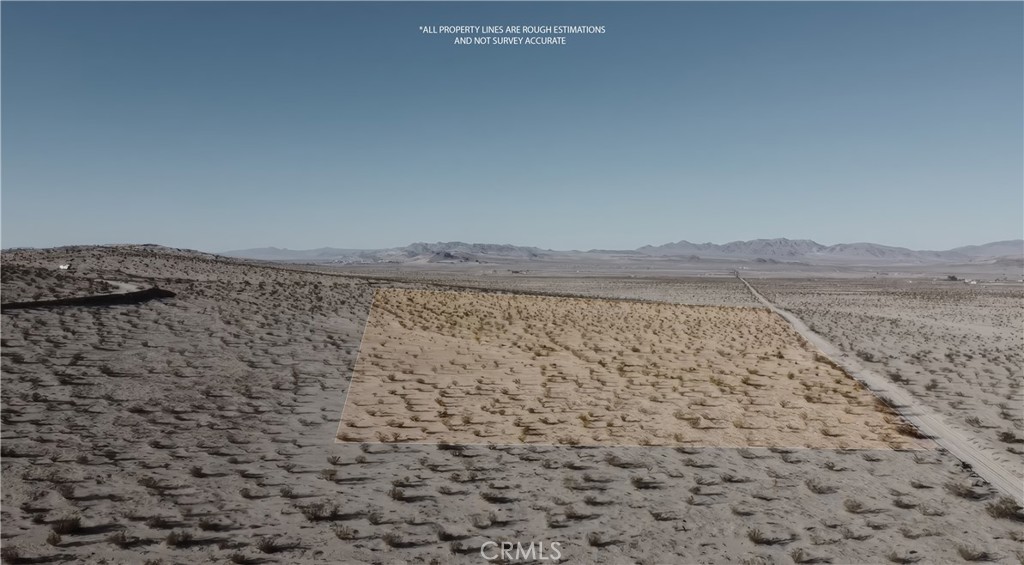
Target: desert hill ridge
[[779, 249]]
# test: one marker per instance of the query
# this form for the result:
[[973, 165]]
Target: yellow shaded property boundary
[[489, 368]]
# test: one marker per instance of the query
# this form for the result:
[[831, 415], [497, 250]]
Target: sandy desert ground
[[719, 288], [203, 428], [467, 367]]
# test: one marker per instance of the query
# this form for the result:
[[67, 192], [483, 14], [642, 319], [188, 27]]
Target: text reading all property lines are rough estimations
[[541, 29]]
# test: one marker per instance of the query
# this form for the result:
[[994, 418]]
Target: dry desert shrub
[[178, 538], [1007, 508], [11, 554], [971, 553], [910, 430], [758, 560], [964, 491], [271, 544], [211, 525], [597, 539], [449, 491], [397, 541], [904, 503], [801, 555], [573, 514], [324, 512], [835, 467], [159, 522], [744, 511], [66, 525], [377, 518], [854, 535], [760, 538], [445, 535], [818, 487], [346, 533], [402, 496], [647, 483], [121, 539], [931, 510], [903, 558], [897, 378], [250, 494], [858, 507], [497, 497], [1009, 437], [149, 482]]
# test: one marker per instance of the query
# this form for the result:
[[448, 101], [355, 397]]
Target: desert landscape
[[431, 283], [289, 413], [465, 368]]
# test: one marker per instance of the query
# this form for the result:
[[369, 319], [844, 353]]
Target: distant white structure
[[64, 267]]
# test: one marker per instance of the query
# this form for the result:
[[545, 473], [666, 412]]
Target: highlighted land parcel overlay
[[480, 368]]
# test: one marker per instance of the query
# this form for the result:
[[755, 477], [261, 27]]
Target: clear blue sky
[[234, 125]]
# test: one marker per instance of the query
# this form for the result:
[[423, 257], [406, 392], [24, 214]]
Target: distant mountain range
[[450, 252], [809, 251], [776, 250]]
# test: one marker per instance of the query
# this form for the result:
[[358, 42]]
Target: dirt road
[[951, 438]]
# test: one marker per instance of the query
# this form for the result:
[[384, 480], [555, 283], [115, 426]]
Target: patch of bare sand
[[466, 368]]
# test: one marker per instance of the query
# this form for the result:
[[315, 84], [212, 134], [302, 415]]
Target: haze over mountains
[[779, 249]]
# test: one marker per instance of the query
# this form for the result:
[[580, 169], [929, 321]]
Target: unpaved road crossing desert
[[1008, 480]]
